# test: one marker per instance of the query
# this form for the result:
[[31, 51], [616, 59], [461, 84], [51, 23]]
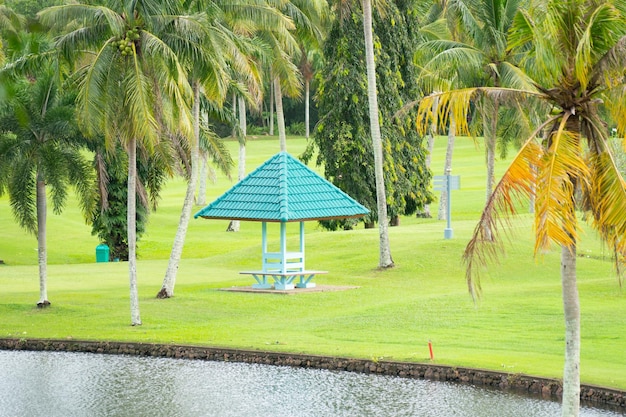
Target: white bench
[[283, 280]]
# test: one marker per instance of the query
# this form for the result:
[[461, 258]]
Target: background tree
[[574, 52], [285, 49], [342, 135], [476, 54]]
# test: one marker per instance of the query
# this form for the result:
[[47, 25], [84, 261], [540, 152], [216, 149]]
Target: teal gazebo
[[283, 190]]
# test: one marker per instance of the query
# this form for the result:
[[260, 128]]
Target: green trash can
[[102, 253]]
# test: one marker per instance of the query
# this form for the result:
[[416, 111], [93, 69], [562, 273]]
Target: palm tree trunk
[[571, 309], [280, 116], [490, 124], [169, 281], [202, 178], [443, 200], [233, 226], [430, 144], [271, 109], [42, 250], [432, 132], [234, 132], [307, 93], [131, 224], [385, 260]]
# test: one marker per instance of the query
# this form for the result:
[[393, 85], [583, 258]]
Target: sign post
[[446, 183]]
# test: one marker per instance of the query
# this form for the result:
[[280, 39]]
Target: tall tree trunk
[[490, 126], [131, 222], [272, 109], [169, 281], [385, 260], [234, 132], [280, 115], [307, 93], [571, 309], [443, 199], [432, 132], [42, 251], [233, 226]]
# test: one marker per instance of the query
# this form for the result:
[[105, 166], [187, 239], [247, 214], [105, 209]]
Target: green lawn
[[517, 325]]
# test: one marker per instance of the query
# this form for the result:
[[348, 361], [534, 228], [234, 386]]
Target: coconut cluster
[[124, 45]]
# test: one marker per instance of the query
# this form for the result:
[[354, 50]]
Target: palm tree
[[575, 53], [477, 51], [311, 60], [215, 51], [133, 89], [40, 149], [308, 18]]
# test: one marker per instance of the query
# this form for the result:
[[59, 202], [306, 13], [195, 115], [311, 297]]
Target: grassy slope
[[517, 326]]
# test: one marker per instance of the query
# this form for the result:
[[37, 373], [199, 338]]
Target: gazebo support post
[[305, 280], [283, 247], [262, 280]]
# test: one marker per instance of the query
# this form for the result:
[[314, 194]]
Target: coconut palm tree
[[310, 62], [217, 52], [40, 145], [132, 87], [575, 52], [309, 18], [476, 54]]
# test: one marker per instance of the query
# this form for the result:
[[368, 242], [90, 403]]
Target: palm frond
[[86, 15], [139, 102], [607, 193], [595, 41], [215, 147], [21, 187], [97, 86], [459, 103], [561, 167]]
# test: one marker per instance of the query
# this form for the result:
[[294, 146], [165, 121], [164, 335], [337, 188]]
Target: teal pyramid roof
[[283, 189]]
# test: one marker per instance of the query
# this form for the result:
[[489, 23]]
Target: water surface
[[60, 384]]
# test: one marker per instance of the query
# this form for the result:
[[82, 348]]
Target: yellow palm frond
[[456, 101], [561, 166], [607, 195]]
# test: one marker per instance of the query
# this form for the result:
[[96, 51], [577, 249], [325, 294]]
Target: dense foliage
[[342, 135]]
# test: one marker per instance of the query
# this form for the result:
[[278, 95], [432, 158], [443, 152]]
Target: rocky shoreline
[[543, 387]]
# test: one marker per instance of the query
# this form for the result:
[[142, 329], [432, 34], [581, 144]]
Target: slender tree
[[214, 45], [385, 260], [40, 146], [575, 53]]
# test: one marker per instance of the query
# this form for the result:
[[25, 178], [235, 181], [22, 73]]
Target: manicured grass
[[517, 326]]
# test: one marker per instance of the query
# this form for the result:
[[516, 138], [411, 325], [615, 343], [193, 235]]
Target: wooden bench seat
[[283, 280]]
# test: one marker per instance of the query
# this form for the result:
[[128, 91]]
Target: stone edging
[[543, 387]]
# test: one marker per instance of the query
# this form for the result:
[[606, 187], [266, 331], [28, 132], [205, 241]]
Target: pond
[[78, 384]]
